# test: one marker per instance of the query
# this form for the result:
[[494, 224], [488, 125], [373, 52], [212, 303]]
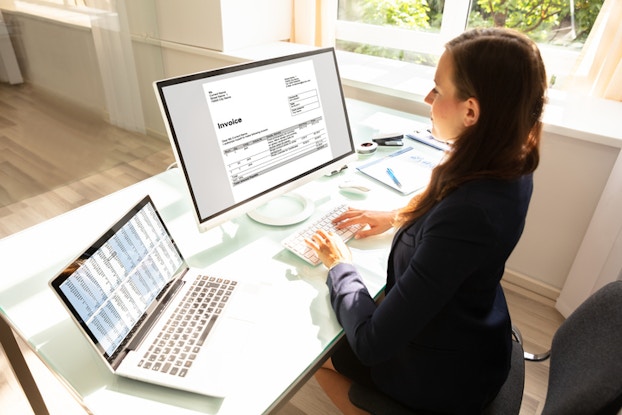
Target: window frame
[[454, 20], [559, 61]]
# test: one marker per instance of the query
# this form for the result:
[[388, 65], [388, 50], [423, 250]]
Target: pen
[[392, 176]]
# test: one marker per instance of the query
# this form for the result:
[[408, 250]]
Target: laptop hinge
[[150, 317]]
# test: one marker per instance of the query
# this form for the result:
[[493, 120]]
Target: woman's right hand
[[373, 222]]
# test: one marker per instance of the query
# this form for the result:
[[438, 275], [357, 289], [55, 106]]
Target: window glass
[[558, 22], [420, 15], [423, 16], [414, 31]]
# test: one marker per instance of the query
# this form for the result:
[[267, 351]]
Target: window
[[415, 30]]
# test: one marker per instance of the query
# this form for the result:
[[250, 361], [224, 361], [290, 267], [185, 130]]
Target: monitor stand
[[284, 210]]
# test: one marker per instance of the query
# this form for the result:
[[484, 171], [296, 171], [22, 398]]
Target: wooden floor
[[55, 157]]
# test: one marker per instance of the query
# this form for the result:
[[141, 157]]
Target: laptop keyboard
[[177, 346], [296, 242]]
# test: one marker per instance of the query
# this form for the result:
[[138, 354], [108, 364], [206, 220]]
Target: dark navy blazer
[[441, 338]]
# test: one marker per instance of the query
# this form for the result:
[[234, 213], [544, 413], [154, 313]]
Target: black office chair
[[585, 376], [507, 402]]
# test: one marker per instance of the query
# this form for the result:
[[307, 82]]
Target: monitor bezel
[[249, 204]]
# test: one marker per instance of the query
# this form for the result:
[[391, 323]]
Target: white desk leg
[[20, 368]]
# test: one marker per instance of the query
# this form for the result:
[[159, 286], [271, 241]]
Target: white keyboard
[[296, 241]]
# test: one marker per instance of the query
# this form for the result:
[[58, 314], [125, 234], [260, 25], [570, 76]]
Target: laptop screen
[[111, 285]]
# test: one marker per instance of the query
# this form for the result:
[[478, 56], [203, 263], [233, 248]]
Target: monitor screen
[[247, 133]]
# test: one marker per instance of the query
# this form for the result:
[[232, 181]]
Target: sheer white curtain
[[599, 69], [113, 46]]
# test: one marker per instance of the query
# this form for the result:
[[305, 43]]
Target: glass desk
[[299, 327]]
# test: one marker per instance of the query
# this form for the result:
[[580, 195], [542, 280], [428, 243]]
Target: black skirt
[[345, 362]]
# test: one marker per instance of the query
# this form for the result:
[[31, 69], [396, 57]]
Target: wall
[[59, 58], [224, 25], [567, 188], [568, 184], [9, 69]]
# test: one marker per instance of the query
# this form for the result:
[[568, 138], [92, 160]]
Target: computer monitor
[[247, 133]]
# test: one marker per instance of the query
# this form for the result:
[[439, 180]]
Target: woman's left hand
[[330, 248]]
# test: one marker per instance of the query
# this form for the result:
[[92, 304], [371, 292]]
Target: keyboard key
[[175, 350], [296, 242]]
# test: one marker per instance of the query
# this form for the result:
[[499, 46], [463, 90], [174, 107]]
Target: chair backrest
[[585, 375]]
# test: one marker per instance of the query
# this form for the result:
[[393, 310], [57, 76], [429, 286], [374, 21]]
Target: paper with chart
[[407, 170]]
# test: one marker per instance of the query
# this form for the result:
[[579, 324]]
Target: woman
[[440, 341]]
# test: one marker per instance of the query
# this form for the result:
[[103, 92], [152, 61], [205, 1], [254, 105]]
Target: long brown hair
[[503, 70]]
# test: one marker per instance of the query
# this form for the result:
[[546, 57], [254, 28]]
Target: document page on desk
[[406, 170]]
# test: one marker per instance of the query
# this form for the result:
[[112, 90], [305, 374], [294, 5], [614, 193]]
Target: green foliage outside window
[[404, 14], [398, 13], [545, 21]]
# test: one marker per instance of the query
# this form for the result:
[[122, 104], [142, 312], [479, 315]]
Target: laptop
[[151, 317]]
